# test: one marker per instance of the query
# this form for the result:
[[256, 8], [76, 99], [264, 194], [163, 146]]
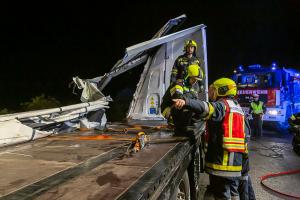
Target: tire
[[183, 188]]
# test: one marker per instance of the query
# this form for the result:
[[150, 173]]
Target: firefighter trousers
[[225, 188], [257, 126]]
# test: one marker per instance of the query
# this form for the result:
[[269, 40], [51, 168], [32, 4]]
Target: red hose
[[271, 175]]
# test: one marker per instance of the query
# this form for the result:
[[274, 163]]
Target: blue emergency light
[[257, 66], [241, 68], [274, 65]]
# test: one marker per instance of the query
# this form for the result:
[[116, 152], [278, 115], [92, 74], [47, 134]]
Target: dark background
[[44, 46]]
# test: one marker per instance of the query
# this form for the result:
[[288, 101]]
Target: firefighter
[[225, 136], [181, 118], [257, 109], [179, 70], [294, 122], [294, 119]]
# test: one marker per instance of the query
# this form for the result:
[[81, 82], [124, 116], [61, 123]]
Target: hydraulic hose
[[272, 175]]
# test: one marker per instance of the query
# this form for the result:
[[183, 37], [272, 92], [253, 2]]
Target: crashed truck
[[73, 153]]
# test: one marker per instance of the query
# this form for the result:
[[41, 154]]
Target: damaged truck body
[[44, 155]]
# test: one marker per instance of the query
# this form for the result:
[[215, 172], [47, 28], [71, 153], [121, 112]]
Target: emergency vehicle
[[278, 87]]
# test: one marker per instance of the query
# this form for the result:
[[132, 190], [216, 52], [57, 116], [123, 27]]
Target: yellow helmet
[[225, 87], [195, 71], [190, 43]]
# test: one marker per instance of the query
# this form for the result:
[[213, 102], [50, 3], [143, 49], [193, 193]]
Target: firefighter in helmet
[[257, 109], [294, 120], [189, 89], [179, 70], [226, 128]]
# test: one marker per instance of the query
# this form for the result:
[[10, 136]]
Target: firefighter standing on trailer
[[189, 88], [225, 138], [257, 109], [181, 64]]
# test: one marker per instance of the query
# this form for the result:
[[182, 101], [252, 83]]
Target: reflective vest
[[233, 126], [257, 109], [226, 142]]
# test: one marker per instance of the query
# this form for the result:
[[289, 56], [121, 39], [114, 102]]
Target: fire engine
[[278, 87]]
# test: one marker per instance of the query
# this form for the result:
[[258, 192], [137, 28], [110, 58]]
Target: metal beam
[[138, 48]]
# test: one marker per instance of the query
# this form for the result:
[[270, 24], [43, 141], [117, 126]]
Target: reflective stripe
[[235, 146], [223, 167], [244, 178], [166, 113], [211, 110], [243, 125], [293, 117], [176, 88], [239, 140], [186, 89], [231, 158], [230, 124], [225, 158], [246, 148], [223, 173]]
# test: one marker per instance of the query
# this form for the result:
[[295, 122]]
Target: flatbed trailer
[[69, 167]]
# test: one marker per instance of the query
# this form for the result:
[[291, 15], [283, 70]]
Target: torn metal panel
[[27, 126], [127, 63], [155, 78], [132, 51], [116, 71], [14, 132], [90, 90], [101, 103], [171, 24]]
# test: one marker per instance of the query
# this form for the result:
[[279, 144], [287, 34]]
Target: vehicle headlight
[[273, 112]]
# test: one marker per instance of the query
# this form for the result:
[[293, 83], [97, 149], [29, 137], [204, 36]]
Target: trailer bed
[[64, 167]]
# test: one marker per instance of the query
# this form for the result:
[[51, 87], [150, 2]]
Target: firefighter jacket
[[226, 135], [245, 165], [179, 70], [180, 118], [294, 119]]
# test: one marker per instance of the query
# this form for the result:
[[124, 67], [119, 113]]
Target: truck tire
[[183, 188]]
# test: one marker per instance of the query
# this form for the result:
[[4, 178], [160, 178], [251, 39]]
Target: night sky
[[44, 46]]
